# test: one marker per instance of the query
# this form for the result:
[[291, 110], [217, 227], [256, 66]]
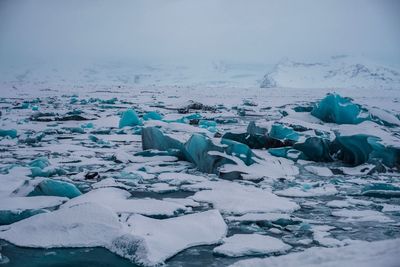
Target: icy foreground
[[155, 177], [379, 253], [146, 241]]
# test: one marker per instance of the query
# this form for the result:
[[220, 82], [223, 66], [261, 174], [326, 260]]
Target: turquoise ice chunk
[[361, 148], [109, 101], [25, 105], [41, 163], [129, 118], [207, 123], [50, 187], [287, 152], [337, 109], [152, 115], [315, 148], [89, 125], [153, 138], [279, 151], [47, 172], [239, 150], [198, 148], [12, 216], [73, 100], [187, 119], [11, 133], [99, 141], [282, 132]]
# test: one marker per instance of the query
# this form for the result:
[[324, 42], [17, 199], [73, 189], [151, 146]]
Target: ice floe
[[250, 244]]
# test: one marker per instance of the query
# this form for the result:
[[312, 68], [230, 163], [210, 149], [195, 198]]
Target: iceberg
[[360, 148], [41, 163], [154, 138], [257, 141], [165, 238], [234, 198], [46, 172], [50, 187], [315, 148], [120, 201], [85, 225], [337, 109], [279, 131], [10, 133], [239, 150], [377, 253], [129, 118], [198, 148], [13, 209], [152, 115], [240, 245]]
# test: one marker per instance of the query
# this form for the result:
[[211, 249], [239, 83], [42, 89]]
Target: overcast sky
[[179, 31]]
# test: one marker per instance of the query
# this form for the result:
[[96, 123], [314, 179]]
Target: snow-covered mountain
[[337, 72]]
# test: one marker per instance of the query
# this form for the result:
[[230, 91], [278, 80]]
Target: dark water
[[62, 257], [101, 257]]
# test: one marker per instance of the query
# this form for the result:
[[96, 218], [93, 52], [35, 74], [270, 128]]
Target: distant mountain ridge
[[337, 72]]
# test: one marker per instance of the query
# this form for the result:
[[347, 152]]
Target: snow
[[361, 216], [176, 178], [36, 202], [118, 200], [366, 254], [165, 238], [325, 190], [250, 244], [320, 171], [390, 208], [339, 72], [84, 225], [233, 198]]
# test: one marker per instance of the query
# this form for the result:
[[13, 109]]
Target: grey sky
[[203, 30]]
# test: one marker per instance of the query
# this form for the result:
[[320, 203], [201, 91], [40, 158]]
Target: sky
[[194, 31]]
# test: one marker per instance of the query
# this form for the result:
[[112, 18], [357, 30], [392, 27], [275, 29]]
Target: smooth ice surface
[[165, 238], [321, 171], [36, 202], [84, 225], [308, 191], [367, 254], [239, 199], [250, 244], [119, 201]]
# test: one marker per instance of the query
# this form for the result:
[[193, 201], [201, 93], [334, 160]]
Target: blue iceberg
[[153, 138], [197, 150], [129, 118], [152, 115], [12, 216], [279, 131], [360, 148], [315, 148], [337, 109], [50, 187], [11, 133]]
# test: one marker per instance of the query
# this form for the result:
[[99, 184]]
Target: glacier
[[242, 174]]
